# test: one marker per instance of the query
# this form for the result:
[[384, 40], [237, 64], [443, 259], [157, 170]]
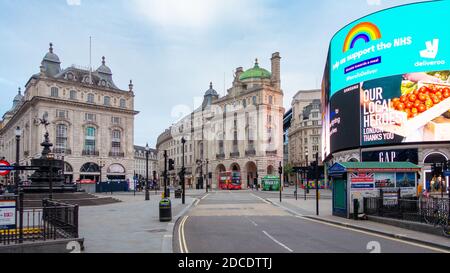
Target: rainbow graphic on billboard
[[364, 31]]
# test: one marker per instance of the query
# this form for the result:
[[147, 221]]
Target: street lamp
[[307, 171], [101, 164], [183, 196], [18, 133], [147, 151], [207, 176]]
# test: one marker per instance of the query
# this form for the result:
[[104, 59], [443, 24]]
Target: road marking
[[251, 221], [262, 199], [204, 196], [196, 202], [181, 237], [278, 242], [375, 234]]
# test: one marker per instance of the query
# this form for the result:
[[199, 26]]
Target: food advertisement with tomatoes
[[407, 108]]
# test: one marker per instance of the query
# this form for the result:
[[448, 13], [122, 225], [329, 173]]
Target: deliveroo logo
[[431, 51]]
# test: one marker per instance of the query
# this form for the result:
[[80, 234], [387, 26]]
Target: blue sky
[[172, 49]]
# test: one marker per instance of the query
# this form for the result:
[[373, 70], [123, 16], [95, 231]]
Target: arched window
[[90, 98], [435, 158], [54, 92], [90, 168], [73, 94], [61, 137], [90, 140], [106, 100], [123, 103]]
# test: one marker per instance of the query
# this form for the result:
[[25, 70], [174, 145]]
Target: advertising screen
[[387, 79]]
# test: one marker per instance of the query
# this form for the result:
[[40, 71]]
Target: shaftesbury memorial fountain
[[49, 175]]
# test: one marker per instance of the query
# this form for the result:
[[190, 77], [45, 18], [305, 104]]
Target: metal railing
[[431, 210], [52, 221]]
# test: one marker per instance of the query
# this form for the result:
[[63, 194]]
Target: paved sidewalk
[[307, 209], [131, 226]]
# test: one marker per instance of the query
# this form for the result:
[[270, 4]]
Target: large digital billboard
[[387, 79]]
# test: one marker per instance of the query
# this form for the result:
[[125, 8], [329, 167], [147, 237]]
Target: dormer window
[[70, 76], [103, 83]]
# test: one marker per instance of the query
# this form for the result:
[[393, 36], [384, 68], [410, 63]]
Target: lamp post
[[280, 171], [307, 172], [101, 164], [18, 133], [165, 173], [147, 151], [316, 169], [207, 176], [183, 184]]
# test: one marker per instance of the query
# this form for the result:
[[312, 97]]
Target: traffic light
[[171, 164]]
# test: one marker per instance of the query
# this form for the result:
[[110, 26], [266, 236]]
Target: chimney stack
[[276, 78]]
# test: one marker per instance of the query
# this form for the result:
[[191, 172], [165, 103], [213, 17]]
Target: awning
[[344, 167]]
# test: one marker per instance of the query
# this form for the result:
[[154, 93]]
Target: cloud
[[198, 14], [73, 2]]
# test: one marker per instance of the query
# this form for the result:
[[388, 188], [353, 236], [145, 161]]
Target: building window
[[123, 103], [73, 94], [54, 92], [115, 120], [61, 137], [270, 100], [315, 123], [315, 148], [89, 117], [115, 144], [315, 115], [89, 140], [254, 100], [107, 101], [90, 98], [244, 103], [61, 114]]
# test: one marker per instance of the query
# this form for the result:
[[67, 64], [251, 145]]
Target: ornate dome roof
[[103, 68], [255, 72], [211, 91], [50, 56]]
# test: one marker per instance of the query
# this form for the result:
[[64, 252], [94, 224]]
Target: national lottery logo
[[365, 31]]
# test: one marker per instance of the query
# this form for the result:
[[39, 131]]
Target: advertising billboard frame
[[327, 96]]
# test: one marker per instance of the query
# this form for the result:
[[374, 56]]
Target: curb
[[348, 225], [167, 241]]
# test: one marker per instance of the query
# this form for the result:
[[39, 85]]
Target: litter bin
[[178, 193], [165, 210]]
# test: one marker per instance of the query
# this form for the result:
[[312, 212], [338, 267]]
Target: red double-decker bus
[[230, 181]]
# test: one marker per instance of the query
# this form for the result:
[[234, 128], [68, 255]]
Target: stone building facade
[[140, 164], [241, 131], [91, 121], [306, 128]]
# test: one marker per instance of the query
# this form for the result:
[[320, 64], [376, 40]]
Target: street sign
[[446, 173], [4, 163]]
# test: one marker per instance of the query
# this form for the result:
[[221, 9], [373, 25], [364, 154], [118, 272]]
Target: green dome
[[255, 72]]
